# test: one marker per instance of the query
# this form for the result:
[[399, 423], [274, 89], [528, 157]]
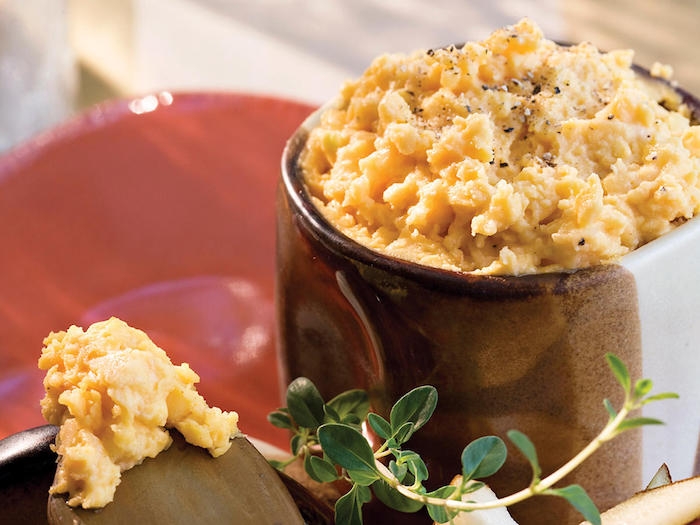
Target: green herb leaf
[[346, 447], [619, 370], [473, 486], [296, 443], [483, 457], [610, 409], [351, 402], [403, 433], [319, 469], [380, 425], [305, 403], [280, 419], [399, 471], [416, 466], [580, 500], [438, 512], [352, 420], [660, 397], [363, 477], [348, 508], [642, 388], [392, 498], [331, 416], [276, 464], [527, 448], [636, 422], [417, 406], [403, 457]]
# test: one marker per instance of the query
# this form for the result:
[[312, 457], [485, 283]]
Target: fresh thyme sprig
[[335, 428]]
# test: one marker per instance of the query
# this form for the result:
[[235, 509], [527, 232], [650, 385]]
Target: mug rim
[[448, 281]]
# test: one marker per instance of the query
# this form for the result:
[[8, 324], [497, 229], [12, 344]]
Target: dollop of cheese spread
[[114, 393], [512, 155]]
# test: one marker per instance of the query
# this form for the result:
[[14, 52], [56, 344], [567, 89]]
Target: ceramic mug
[[504, 352]]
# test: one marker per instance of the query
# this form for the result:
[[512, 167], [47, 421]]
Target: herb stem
[[335, 428], [606, 434]]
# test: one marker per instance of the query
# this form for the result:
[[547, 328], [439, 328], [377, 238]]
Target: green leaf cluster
[[305, 413], [637, 395], [328, 437]]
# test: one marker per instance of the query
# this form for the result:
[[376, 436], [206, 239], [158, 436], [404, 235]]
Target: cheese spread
[[114, 393], [512, 155]]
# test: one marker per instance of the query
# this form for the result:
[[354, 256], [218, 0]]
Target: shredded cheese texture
[[512, 155], [114, 393]]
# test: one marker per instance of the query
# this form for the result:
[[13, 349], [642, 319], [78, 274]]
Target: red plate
[[161, 212]]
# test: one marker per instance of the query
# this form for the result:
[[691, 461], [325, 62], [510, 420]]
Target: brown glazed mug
[[504, 352]]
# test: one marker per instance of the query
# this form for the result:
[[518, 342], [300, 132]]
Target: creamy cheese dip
[[114, 392], [512, 155]]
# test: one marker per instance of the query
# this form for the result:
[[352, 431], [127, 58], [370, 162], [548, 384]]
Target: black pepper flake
[[557, 90], [503, 165], [537, 89], [469, 108], [508, 130], [610, 117], [430, 52], [582, 242], [484, 87], [491, 162]]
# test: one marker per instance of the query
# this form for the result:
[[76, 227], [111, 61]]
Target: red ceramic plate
[[161, 212]]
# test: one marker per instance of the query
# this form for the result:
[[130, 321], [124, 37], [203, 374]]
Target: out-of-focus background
[[58, 57]]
